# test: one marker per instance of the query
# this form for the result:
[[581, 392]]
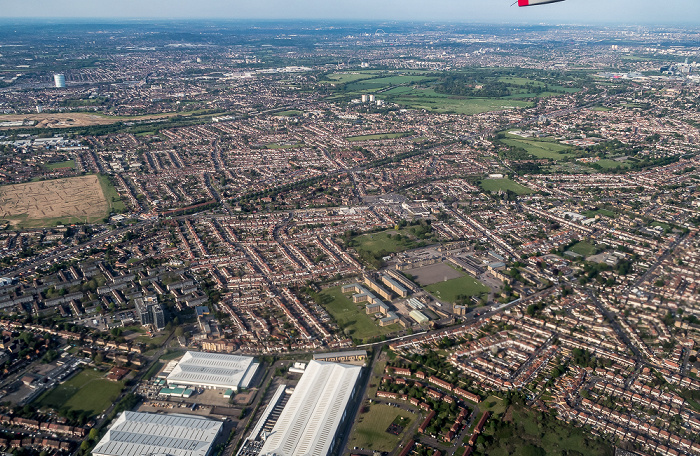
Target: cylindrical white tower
[[365, 98], [371, 98], [59, 80]]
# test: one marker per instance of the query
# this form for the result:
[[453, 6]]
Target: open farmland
[[46, 203]]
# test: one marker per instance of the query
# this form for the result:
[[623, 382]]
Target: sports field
[[605, 212], [449, 290], [352, 317], [584, 248], [87, 391], [60, 165], [47, 203], [386, 241], [540, 149], [434, 273], [459, 105], [607, 163], [370, 432], [495, 185]]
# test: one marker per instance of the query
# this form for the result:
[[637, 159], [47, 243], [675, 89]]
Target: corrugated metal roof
[[140, 434], [213, 369], [309, 421]]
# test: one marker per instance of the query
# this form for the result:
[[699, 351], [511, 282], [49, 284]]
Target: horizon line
[[69, 19]]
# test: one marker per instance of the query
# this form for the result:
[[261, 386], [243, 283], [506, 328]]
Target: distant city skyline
[[630, 12]]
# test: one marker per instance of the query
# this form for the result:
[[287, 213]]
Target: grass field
[[59, 165], [495, 185], [528, 433], [111, 194], [379, 136], [606, 163], [290, 113], [371, 433], [604, 212], [414, 91], [88, 390], [449, 290], [539, 149], [385, 241], [157, 340], [493, 404], [172, 355], [352, 317], [584, 248]]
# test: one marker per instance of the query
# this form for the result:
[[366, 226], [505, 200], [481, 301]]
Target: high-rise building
[[150, 312], [59, 80], [158, 316]]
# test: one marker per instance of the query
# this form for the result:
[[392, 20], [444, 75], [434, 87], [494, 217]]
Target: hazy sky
[[630, 12]]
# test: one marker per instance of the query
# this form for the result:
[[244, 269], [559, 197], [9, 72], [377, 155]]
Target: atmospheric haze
[[629, 12]]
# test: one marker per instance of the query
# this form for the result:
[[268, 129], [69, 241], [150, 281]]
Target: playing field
[[352, 317], [385, 241], [60, 165], [450, 290], [439, 272], [540, 149], [47, 203], [89, 391], [459, 105], [495, 185], [370, 432], [584, 248]]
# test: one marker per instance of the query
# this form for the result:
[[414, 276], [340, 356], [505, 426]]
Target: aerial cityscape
[[326, 237]]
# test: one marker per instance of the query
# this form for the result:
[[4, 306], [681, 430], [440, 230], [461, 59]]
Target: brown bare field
[[72, 119], [45, 203], [434, 273]]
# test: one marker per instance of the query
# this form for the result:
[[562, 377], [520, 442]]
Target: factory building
[[316, 410], [146, 434], [213, 370]]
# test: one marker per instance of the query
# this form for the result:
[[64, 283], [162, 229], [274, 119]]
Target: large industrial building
[[309, 423], [213, 370], [145, 434]]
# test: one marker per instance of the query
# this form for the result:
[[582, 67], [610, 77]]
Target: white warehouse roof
[[141, 434], [213, 370], [307, 426]]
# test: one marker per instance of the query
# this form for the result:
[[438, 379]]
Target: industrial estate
[[283, 239]]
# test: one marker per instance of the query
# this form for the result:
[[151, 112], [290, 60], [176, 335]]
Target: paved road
[[656, 264], [96, 240]]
